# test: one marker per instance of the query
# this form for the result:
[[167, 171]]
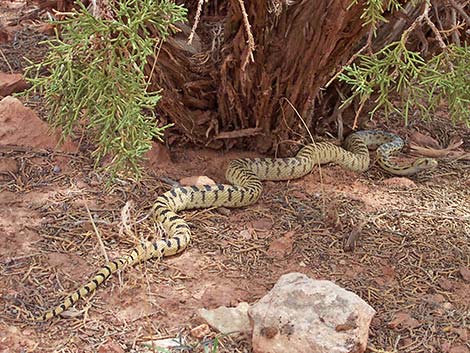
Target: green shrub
[[419, 84], [401, 80], [96, 78]]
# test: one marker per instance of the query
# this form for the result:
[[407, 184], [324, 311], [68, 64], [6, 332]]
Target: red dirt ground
[[410, 263]]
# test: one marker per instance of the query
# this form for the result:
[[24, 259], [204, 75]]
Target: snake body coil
[[245, 176]]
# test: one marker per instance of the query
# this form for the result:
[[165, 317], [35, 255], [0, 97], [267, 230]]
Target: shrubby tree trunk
[[220, 91], [252, 62], [227, 88]]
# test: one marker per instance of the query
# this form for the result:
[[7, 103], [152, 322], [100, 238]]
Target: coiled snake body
[[245, 176]]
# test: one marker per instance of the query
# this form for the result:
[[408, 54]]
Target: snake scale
[[245, 176]]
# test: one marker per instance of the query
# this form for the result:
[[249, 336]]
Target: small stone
[[11, 83], [403, 320], [465, 273], [245, 234], [4, 35], [447, 305], [299, 195], [200, 331], [400, 182], [56, 169], [163, 343], [282, 246], [228, 320], [8, 165], [435, 300], [445, 347], [406, 342], [157, 156], [197, 181], [445, 284], [27, 332], [262, 224], [224, 211]]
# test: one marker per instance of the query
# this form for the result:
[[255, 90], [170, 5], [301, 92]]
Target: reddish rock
[[403, 320], [200, 331], [157, 156], [7, 33], [465, 273], [21, 126], [281, 247], [400, 182], [11, 83]]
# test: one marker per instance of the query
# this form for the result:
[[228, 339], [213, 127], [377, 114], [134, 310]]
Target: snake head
[[424, 163]]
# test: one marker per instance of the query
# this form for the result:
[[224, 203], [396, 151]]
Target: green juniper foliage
[[420, 84], [96, 77], [374, 9]]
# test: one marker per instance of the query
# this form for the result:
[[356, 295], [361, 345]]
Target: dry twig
[[196, 21], [251, 41]]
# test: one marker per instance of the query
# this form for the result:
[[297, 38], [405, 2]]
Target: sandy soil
[[410, 261]]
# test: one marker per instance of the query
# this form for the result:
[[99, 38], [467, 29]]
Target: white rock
[[303, 315], [228, 320]]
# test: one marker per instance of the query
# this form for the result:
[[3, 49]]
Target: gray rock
[[303, 315]]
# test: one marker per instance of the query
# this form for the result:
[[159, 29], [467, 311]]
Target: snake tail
[[246, 176]]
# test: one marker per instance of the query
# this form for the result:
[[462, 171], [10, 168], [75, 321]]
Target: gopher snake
[[246, 175]]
